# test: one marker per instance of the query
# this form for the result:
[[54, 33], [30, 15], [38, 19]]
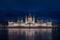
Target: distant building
[[30, 21]]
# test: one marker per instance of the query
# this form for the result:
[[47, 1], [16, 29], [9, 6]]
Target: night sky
[[11, 9]]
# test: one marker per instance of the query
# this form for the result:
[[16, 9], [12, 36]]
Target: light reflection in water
[[30, 34]]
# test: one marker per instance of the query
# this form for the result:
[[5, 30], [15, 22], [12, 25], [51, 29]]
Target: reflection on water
[[30, 34]]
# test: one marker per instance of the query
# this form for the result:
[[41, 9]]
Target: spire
[[26, 19]]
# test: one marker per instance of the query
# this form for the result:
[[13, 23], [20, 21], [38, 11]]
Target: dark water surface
[[17, 34]]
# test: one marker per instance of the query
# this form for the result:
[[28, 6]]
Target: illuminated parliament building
[[30, 21], [33, 29]]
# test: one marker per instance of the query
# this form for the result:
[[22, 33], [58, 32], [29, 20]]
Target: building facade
[[30, 34], [30, 21]]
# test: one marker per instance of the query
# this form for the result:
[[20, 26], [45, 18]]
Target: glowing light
[[30, 20], [44, 24]]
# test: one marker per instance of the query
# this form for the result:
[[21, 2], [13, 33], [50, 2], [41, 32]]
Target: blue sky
[[38, 8]]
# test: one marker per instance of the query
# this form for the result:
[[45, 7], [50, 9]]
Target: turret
[[30, 19], [19, 20], [33, 19], [40, 20], [10, 23], [26, 19], [49, 23]]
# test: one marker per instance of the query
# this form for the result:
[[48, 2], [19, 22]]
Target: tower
[[30, 19], [26, 19], [33, 19], [49, 23], [20, 20], [40, 20], [10, 23]]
